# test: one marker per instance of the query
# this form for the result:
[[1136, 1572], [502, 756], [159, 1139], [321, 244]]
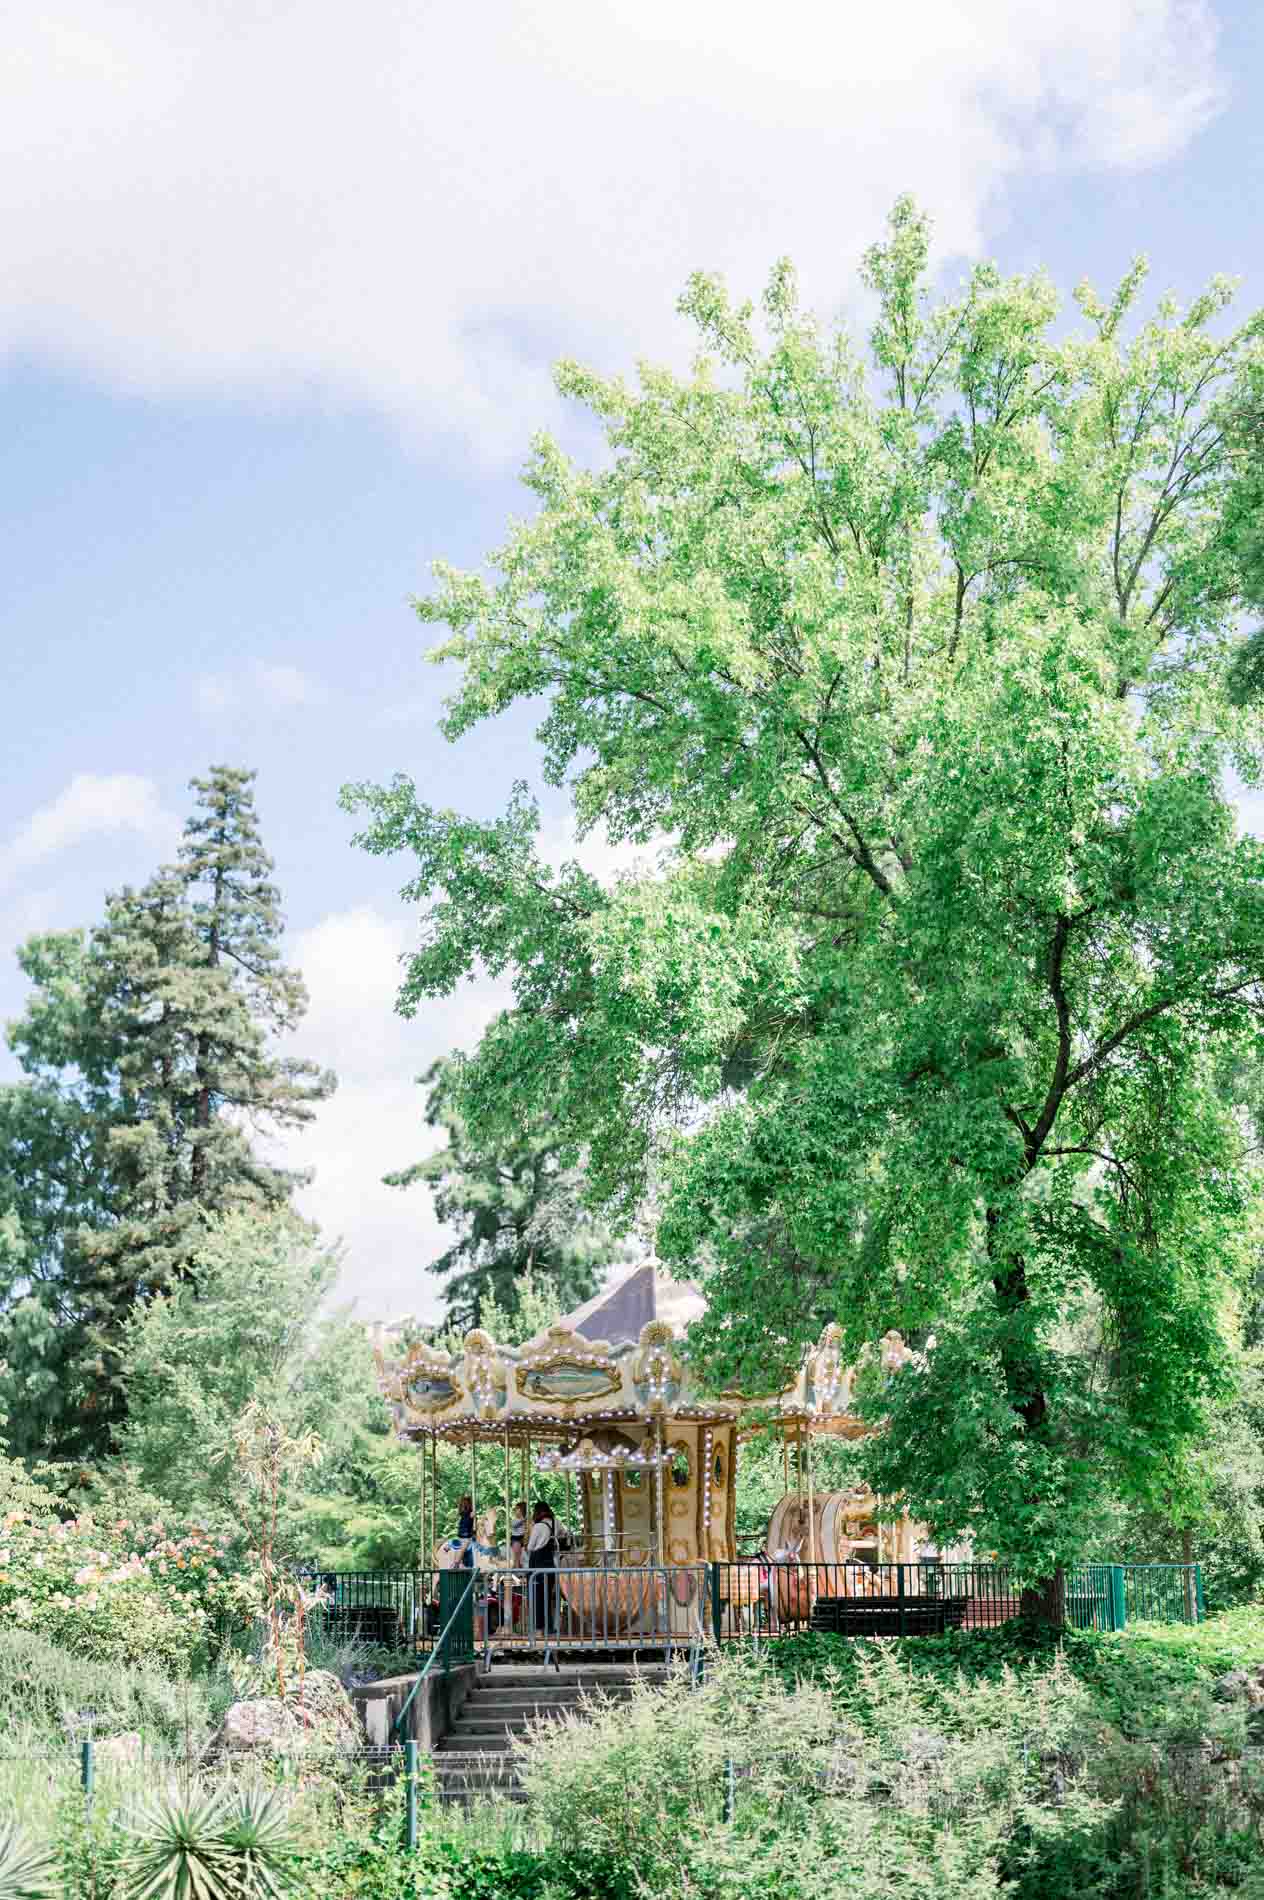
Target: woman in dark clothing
[[542, 1557], [465, 1529]]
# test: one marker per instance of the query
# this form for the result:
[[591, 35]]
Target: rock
[[124, 1748], [315, 1712], [1241, 1685], [320, 1703], [263, 1723]]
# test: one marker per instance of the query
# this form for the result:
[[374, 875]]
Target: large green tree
[[150, 1058], [921, 667], [250, 1322], [514, 1203]]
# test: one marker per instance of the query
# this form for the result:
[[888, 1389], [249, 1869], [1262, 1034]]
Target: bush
[[921, 1796], [117, 1592], [1150, 1682], [46, 1694]]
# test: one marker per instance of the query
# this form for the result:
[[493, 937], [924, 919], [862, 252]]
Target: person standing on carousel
[[465, 1530], [542, 1558]]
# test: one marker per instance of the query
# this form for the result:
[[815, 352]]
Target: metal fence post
[[410, 1796], [1118, 1602], [900, 1598], [717, 1608], [87, 1772], [730, 1790], [1200, 1607]]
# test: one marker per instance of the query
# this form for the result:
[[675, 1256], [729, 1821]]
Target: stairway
[[476, 1756]]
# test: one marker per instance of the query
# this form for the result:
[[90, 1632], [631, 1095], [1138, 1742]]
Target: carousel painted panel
[[614, 1604]]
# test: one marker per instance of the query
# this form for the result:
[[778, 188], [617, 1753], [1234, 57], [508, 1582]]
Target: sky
[[283, 285]]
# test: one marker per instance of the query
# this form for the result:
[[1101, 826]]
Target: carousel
[[604, 1399]]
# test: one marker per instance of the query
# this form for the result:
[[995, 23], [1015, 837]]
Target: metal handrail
[[440, 1643]]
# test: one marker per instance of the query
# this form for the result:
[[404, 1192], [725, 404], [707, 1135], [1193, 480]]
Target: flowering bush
[[119, 1591]]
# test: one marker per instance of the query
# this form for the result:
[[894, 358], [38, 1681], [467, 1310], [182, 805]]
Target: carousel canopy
[[614, 1360]]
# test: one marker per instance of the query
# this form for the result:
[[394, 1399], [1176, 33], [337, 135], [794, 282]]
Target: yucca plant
[[260, 1835], [26, 1871], [229, 1845]]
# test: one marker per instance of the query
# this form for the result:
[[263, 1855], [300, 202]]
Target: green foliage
[[26, 1872], [117, 1592], [145, 1047], [46, 1687], [632, 1796], [924, 679], [1150, 1682], [246, 1327], [221, 1845], [515, 1204]]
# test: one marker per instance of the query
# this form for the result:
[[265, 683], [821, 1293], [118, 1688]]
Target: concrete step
[[519, 1674], [523, 1703], [461, 1779], [475, 1758], [496, 1721]]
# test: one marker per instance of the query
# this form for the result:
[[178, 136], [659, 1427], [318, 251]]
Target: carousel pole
[[811, 1499], [658, 1477], [421, 1512], [434, 1490], [785, 1464], [474, 1478], [508, 1481]]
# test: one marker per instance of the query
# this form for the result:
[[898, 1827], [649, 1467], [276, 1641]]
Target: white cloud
[[215, 694], [416, 207], [279, 685], [92, 805], [287, 685], [353, 964], [558, 844], [374, 1124]]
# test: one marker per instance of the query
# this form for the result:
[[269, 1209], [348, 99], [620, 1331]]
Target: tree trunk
[[1046, 1600], [1187, 1558]]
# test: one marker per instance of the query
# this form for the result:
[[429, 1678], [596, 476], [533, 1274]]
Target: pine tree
[[155, 1043], [517, 1208], [235, 913]]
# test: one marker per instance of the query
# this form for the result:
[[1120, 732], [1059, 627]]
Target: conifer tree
[[516, 1207], [153, 1043]]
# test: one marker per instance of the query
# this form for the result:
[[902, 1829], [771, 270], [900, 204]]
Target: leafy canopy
[[920, 669]]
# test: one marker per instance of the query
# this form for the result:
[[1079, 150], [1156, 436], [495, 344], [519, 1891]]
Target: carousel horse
[[799, 1583], [745, 1590]]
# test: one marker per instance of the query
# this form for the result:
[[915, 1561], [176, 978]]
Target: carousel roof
[[619, 1312], [614, 1359]]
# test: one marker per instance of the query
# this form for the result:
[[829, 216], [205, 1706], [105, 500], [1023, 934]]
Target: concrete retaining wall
[[434, 1707]]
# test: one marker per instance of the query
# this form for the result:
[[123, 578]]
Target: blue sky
[[279, 306]]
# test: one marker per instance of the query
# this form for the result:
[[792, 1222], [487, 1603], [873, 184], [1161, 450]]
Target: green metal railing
[[1164, 1593], [455, 1641], [436, 1610], [394, 1609]]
